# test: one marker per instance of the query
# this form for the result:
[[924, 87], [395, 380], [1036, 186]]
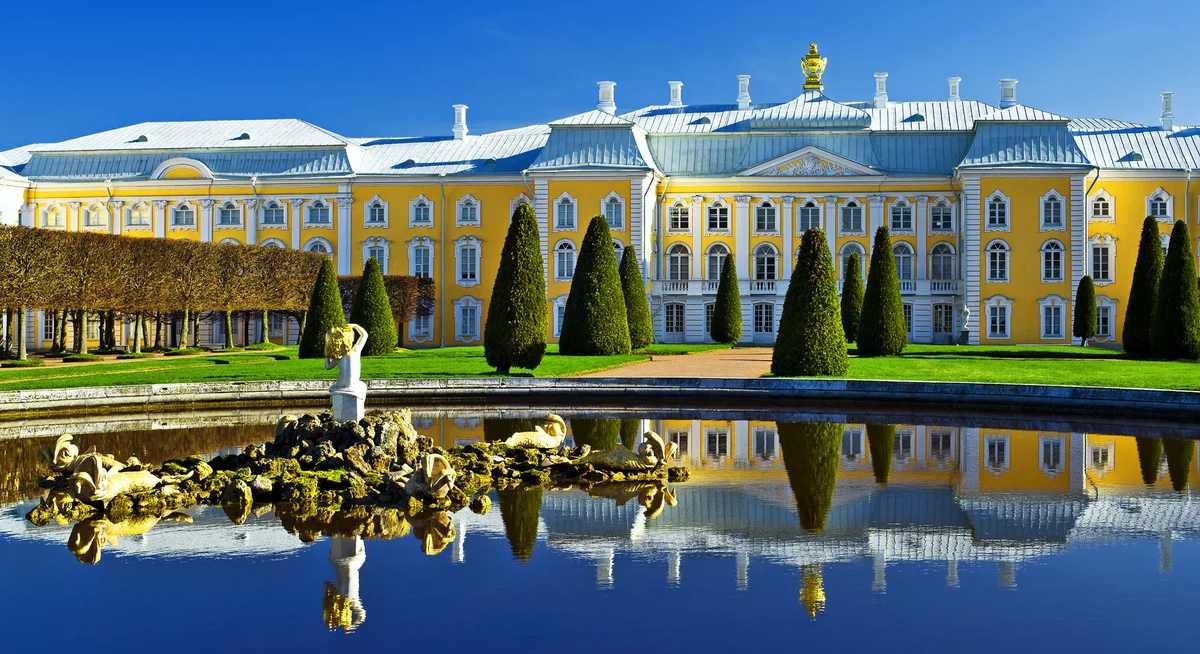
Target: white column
[[969, 459], [30, 215], [250, 215], [1077, 463], [604, 569], [743, 571], [831, 225], [876, 204], [741, 441], [116, 212], [697, 236], [73, 216], [160, 218], [922, 219], [344, 251], [741, 233], [674, 558], [789, 256], [460, 538], [297, 220], [206, 220]]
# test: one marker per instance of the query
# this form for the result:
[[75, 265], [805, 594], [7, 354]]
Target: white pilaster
[[970, 460], [697, 225], [972, 272], [741, 441], [741, 233], [297, 220], [922, 219], [116, 212], [541, 208], [250, 215], [876, 204], [831, 225], [1079, 254], [159, 219], [789, 255], [344, 252], [1077, 463], [73, 216], [206, 220]]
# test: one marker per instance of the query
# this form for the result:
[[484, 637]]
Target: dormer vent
[[141, 139], [244, 136]]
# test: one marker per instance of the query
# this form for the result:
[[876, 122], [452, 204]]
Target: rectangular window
[[902, 220], [421, 262], [764, 218], [998, 322], [184, 216], [1052, 212], [852, 444], [1052, 265], [996, 449], [139, 217], [674, 318], [940, 218], [808, 216], [680, 438], [469, 213], [273, 215], [718, 218], [377, 253], [764, 443], [375, 213], [902, 448], [1100, 209], [469, 322], [318, 213], [93, 218], [614, 213], [1104, 321], [717, 443], [566, 215], [422, 326], [275, 325], [764, 318], [1052, 454], [908, 321], [940, 447], [93, 329], [47, 327], [997, 214], [680, 218], [1101, 263], [852, 218], [709, 309], [943, 318], [468, 264], [1052, 321], [229, 216], [421, 213], [560, 313]]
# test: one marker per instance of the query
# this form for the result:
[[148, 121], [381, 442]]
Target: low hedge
[[183, 351], [82, 358], [23, 363], [258, 347], [136, 355]]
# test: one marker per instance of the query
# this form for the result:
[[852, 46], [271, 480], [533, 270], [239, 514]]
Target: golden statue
[[812, 590], [813, 65]]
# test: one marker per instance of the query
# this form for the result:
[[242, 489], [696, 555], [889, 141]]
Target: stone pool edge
[[1169, 405]]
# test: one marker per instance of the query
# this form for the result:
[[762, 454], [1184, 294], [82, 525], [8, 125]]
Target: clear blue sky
[[394, 68]]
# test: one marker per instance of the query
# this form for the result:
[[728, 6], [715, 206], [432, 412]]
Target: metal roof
[[509, 151], [811, 110], [944, 116], [593, 118], [202, 135], [691, 119], [1019, 113], [1120, 144], [1024, 144], [52, 167], [594, 147]]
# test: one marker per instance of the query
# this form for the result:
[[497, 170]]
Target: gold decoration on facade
[[812, 589], [813, 65], [809, 165]]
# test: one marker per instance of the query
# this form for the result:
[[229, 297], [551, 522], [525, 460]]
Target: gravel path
[[740, 362]]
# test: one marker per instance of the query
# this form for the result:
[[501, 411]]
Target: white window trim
[[554, 259], [418, 242], [912, 208], [1062, 443], [464, 242], [800, 202], [261, 214], [44, 218], [680, 203], [1043, 226], [687, 268], [378, 242], [458, 221], [1053, 301], [376, 201], [929, 259], [708, 253], [172, 226], [273, 243], [866, 218], [1112, 206], [950, 204], [412, 334], [318, 240], [1111, 304], [1108, 240], [986, 208], [912, 256], [1170, 217], [718, 202], [1064, 261], [619, 249], [127, 215], [987, 263], [241, 216], [326, 203], [997, 301], [92, 208], [1004, 438], [459, 305], [559, 302], [704, 322], [862, 258], [624, 217], [517, 201], [754, 261], [575, 221], [754, 207], [412, 212]]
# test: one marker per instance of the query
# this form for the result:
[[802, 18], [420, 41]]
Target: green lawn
[[256, 366]]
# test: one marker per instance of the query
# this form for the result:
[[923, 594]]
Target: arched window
[[614, 212], [1103, 247], [183, 215], [904, 260], [765, 259], [852, 218], [1160, 207], [808, 216], [229, 241], [273, 243], [468, 211], [679, 262], [1101, 209], [93, 216], [319, 246], [564, 211], [55, 217], [139, 215], [421, 212], [1052, 261], [998, 262], [229, 215], [1052, 211], [718, 254], [764, 218], [997, 212], [274, 214], [941, 262], [902, 217], [618, 249], [680, 217], [564, 260], [941, 218], [849, 250], [318, 212]]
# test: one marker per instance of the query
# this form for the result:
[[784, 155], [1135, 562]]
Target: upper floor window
[[274, 214], [183, 215], [718, 217], [614, 212], [902, 217], [765, 260], [679, 217], [940, 218], [229, 214], [318, 212], [376, 213], [997, 262], [764, 217], [1160, 206], [904, 260], [139, 215], [997, 212], [852, 218], [1052, 211], [564, 212], [1101, 209], [564, 260], [808, 216], [468, 211], [468, 263], [718, 254], [679, 262], [378, 253], [422, 212], [1052, 261], [55, 217], [941, 262], [1102, 262], [848, 252]]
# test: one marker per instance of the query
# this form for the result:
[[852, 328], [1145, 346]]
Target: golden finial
[[812, 590], [813, 65]]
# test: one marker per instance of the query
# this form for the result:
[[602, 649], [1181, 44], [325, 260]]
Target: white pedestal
[[348, 402]]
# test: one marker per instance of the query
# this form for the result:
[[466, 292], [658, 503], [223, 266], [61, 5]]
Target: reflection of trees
[[1180, 454], [21, 465], [630, 430], [519, 509], [881, 439], [1150, 452], [499, 429], [810, 456], [599, 433]]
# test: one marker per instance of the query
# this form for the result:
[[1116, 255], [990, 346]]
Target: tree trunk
[[265, 336], [195, 329], [227, 317], [81, 344], [158, 330], [137, 332], [22, 348], [110, 330], [8, 332], [145, 330], [303, 321], [183, 330]]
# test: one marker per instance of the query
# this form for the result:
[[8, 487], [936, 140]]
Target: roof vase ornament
[[813, 65]]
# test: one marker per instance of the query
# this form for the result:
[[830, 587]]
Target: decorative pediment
[[809, 161]]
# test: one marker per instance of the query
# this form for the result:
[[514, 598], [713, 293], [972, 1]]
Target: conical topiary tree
[[1150, 452], [637, 308], [372, 310], [1143, 294], [810, 340], [597, 433], [810, 456], [519, 510], [881, 330], [727, 310], [852, 297], [881, 440], [595, 322], [324, 311], [631, 428], [515, 332], [1180, 454], [1176, 333], [1084, 324]]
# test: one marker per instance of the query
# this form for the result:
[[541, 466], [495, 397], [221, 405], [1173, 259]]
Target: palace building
[[999, 208]]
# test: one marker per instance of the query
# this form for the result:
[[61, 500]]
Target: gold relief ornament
[[813, 65]]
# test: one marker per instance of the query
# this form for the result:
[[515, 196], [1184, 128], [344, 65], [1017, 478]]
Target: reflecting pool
[[793, 531]]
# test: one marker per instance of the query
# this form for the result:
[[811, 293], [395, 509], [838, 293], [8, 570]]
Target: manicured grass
[[258, 366], [23, 363]]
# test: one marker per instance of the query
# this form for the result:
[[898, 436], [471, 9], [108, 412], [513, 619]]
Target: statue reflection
[[340, 605], [812, 589], [89, 537]]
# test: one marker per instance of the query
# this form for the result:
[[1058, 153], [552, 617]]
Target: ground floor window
[[996, 452], [674, 318], [908, 320], [902, 449], [560, 316], [940, 448], [1052, 326], [716, 443], [468, 322], [1052, 455], [1104, 322], [943, 318], [852, 444], [93, 328], [422, 327], [276, 325], [764, 443], [48, 327], [680, 438], [709, 309], [998, 322], [764, 318]]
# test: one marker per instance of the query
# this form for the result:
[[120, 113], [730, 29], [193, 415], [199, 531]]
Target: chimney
[[954, 82], [676, 94], [460, 121], [880, 90], [607, 103], [1168, 116], [1008, 92], [743, 98]]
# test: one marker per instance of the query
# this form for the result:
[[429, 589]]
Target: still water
[[981, 533]]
